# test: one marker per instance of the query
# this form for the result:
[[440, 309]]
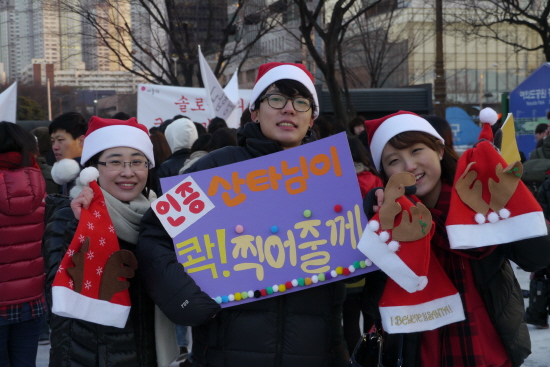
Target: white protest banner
[[220, 103], [8, 104], [157, 103]]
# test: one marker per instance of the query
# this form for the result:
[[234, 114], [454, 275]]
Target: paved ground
[[540, 339]]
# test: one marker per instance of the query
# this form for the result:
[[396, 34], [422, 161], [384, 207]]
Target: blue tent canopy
[[465, 130]]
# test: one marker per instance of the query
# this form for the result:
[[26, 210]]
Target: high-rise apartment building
[[114, 20], [37, 30]]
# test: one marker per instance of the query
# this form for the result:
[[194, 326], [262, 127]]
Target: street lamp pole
[[175, 58]]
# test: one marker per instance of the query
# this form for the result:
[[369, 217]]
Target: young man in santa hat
[[67, 136], [299, 329], [481, 219]]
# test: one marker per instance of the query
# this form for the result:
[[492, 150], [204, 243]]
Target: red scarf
[[13, 160], [473, 342]]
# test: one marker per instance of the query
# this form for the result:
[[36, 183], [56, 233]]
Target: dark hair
[[290, 88], [215, 124], [222, 138], [14, 138], [201, 130], [121, 116], [409, 138], [161, 149], [72, 122], [92, 162], [202, 143], [164, 125], [245, 117], [44, 140], [323, 128], [541, 128], [356, 121], [442, 127], [360, 154]]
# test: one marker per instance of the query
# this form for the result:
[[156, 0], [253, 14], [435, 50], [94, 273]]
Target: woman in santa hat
[[299, 329], [101, 313], [491, 331]]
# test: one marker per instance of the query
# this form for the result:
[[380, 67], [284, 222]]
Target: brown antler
[[503, 190], [471, 194], [114, 268], [77, 273], [415, 228], [394, 190]]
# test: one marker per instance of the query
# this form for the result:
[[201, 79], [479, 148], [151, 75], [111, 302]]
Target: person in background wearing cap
[[122, 153], [298, 329], [493, 332]]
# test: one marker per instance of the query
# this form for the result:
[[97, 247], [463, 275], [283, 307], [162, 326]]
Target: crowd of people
[[56, 181]]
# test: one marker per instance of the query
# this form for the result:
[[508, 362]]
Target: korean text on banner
[[277, 224]]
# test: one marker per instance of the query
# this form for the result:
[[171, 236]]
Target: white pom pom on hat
[[488, 116], [66, 170], [88, 175]]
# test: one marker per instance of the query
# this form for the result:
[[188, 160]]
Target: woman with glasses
[[122, 152], [296, 329]]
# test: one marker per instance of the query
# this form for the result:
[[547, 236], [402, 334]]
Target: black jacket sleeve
[[170, 287], [58, 235], [531, 254]]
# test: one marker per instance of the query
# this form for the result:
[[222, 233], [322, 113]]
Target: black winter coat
[[298, 329], [81, 343], [171, 167]]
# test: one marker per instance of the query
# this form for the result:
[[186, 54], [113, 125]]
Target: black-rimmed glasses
[[135, 165], [278, 101]]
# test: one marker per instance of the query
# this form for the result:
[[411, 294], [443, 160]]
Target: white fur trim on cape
[[69, 303], [65, 171], [426, 316], [389, 262], [520, 227]]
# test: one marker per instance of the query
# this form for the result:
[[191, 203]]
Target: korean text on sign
[[182, 206]]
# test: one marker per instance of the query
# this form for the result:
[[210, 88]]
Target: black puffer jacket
[[81, 343], [171, 166], [297, 329]]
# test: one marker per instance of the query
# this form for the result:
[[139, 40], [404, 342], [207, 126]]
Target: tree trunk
[[440, 88]]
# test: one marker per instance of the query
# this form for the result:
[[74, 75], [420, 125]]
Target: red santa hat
[[109, 133], [418, 295], [381, 130], [273, 71], [490, 205], [90, 283]]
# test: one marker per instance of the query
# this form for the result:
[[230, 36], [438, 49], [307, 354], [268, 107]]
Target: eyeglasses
[[135, 165], [278, 101]]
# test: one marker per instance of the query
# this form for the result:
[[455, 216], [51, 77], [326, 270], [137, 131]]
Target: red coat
[[368, 181], [22, 205]]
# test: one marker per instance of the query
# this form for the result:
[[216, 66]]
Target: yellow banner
[[509, 151]]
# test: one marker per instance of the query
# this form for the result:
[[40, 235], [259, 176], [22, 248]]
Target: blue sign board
[[530, 101]]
